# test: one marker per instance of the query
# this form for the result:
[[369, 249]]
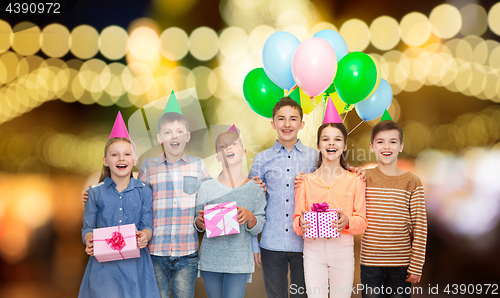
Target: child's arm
[[357, 222], [299, 225], [89, 222], [254, 227], [419, 223], [146, 225], [257, 169], [201, 199], [143, 176]]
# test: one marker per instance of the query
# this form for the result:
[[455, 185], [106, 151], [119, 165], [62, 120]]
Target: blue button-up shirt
[[277, 168], [107, 207]]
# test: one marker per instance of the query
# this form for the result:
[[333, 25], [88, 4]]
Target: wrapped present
[[116, 243], [321, 218], [221, 219]]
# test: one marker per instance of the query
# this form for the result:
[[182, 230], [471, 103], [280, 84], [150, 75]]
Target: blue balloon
[[335, 40], [375, 105], [277, 56]]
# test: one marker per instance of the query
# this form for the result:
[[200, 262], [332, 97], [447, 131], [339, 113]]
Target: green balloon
[[356, 77], [261, 94], [330, 89], [295, 95]]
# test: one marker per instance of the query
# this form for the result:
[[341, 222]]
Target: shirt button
[[286, 230], [288, 170], [120, 209], [282, 147], [172, 238], [174, 202], [287, 200], [287, 215], [288, 156], [287, 185], [121, 221], [120, 197]]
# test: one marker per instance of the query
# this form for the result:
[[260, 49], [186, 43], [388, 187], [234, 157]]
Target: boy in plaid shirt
[[174, 178]]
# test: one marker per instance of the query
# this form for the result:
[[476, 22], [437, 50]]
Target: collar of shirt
[[299, 146], [108, 182], [163, 159]]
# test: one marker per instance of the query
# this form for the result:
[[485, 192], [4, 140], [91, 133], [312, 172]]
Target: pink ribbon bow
[[116, 242], [323, 207]]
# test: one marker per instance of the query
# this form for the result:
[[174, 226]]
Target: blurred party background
[[63, 82]]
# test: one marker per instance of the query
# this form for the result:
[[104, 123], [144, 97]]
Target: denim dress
[[106, 207]]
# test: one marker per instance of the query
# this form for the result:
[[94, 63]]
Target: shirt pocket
[[344, 200], [189, 184], [134, 203]]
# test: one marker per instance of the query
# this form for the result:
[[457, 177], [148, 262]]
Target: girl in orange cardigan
[[331, 258]]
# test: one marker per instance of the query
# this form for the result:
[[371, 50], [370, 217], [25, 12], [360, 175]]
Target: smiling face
[[386, 146], [331, 144], [229, 149], [173, 136], [287, 123], [120, 159]]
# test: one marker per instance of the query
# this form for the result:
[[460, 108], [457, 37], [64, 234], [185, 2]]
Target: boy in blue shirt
[[281, 248]]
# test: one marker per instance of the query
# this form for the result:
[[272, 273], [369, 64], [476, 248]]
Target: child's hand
[[142, 239], [342, 222], [89, 248], [259, 181], [86, 195], [257, 259], [245, 215], [304, 225], [359, 172], [413, 278], [298, 179], [200, 221]]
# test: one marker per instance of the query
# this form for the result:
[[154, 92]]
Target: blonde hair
[[105, 170]]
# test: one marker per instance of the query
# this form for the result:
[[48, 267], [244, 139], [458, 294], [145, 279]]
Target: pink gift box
[[116, 243], [321, 224], [221, 219]]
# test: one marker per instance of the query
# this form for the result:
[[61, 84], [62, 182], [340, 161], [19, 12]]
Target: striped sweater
[[397, 223]]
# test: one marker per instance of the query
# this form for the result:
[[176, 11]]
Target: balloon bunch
[[311, 71]]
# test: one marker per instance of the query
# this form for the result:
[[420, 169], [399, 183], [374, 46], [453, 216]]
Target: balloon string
[[355, 127], [345, 116], [313, 100]]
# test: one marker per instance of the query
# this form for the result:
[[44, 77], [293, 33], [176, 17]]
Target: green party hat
[[172, 105], [386, 116]]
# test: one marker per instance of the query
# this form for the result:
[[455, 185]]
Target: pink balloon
[[314, 65]]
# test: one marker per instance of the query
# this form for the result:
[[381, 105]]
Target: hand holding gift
[[89, 240], [200, 221], [342, 222], [244, 215], [304, 225], [142, 238]]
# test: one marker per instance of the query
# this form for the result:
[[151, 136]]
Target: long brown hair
[[105, 170], [343, 130]]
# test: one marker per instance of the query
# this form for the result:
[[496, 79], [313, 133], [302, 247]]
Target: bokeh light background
[[61, 86]]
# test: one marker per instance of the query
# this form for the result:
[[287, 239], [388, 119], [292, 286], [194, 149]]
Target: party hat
[[233, 129], [331, 114], [172, 105], [386, 116], [119, 129]]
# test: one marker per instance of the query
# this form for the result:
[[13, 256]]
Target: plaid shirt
[[174, 199]]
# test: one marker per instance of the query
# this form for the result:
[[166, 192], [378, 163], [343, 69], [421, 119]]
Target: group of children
[[166, 205]]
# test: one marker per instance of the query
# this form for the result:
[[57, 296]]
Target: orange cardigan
[[346, 191]]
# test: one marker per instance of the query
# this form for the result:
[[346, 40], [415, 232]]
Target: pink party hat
[[331, 114], [119, 129], [233, 129]]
